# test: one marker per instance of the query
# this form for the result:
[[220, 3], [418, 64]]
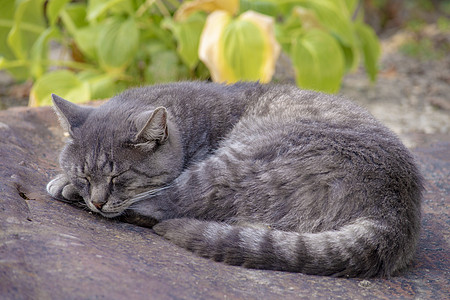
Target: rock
[[51, 250]]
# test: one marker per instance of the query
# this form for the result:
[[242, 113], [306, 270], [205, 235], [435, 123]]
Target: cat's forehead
[[102, 163], [100, 159], [101, 146], [107, 127]]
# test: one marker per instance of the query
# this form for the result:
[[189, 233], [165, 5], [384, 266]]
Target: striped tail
[[352, 251]]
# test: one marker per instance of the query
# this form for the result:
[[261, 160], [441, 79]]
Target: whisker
[[139, 197], [79, 204], [144, 195]]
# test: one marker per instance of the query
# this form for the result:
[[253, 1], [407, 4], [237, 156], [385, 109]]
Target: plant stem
[[355, 13], [162, 8], [146, 5], [70, 64], [23, 26]]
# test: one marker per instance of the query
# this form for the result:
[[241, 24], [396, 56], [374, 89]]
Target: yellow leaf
[[61, 82], [271, 46], [187, 8], [307, 17], [208, 51], [241, 49]]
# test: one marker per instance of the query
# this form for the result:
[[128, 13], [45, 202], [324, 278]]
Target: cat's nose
[[98, 204], [99, 195]]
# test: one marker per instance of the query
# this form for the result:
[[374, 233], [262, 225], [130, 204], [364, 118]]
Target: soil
[[11, 93], [411, 94]]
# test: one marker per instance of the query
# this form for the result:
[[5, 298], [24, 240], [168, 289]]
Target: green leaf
[[346, 7], [28, 24], [352, 5], [335, 16], [351, 56], [242, 49], [269, 8], [101, 86], [163, 68], [39, 53], [332, 18], [298, 22], [74, 17], [117, 42], [17, 68], [53, 9], [97, 8], [370, 48], [154, 46], [243, 46], [318, 61], [187, 33], [63, 83], [86, 39], [7, 22], [123, 7], [21, 23]]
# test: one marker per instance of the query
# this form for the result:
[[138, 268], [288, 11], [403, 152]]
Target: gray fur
[[261, 176]]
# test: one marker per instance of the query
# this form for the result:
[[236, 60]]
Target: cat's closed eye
[[83, 179], [115, 179], [119, 178]]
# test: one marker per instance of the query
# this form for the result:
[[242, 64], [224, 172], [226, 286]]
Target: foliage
[[120, 43], [426, 41]]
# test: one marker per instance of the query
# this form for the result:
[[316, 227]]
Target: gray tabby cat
[[261, 176]]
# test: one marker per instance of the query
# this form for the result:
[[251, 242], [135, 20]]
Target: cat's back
[[248, 99], [289, 104], [188, 95]]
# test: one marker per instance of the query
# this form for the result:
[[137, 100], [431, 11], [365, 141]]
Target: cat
[[260, 176]]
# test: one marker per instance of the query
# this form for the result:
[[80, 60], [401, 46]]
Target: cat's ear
[[155, 126], [69, 114]]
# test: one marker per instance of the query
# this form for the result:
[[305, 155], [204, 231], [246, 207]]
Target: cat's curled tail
[[352, 251]]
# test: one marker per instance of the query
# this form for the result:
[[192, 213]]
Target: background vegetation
[[111, 45]]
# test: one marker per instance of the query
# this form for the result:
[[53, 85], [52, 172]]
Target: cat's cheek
[[84, 193], [107, 213]]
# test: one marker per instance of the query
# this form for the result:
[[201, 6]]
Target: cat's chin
[[106, 214], [110, 215]]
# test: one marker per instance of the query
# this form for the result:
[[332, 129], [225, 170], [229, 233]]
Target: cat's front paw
[[60, 188], [129, 216], [185, 232], [150, 211]]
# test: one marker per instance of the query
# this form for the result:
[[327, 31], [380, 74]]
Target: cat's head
[[115, 152]]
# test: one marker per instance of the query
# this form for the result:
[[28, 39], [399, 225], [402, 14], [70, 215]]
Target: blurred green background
[[93, 49]]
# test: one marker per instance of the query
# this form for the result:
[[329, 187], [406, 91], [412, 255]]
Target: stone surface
[[51, 250]]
